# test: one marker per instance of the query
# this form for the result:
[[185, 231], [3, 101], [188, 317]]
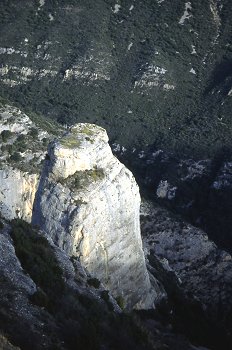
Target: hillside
[[150, 72], [82, 293], [83, 264]]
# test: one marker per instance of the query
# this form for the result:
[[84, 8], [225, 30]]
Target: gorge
[[86, 205], [115, 175]]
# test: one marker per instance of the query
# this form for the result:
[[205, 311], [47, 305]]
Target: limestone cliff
[[23, 146], [89, 203], [17, 193]]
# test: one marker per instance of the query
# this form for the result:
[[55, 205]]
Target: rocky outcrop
[[17, 193], [81, 183], [88, 202], [6, 345], [23, 147], [18, 186]]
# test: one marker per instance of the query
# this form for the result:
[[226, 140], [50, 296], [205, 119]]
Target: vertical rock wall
[[17, 193], [89, 203]]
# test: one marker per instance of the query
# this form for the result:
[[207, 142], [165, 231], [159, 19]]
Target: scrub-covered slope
[[161, 69]]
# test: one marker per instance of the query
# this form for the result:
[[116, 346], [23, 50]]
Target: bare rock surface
[[88, 202], [17, 193], [23, 148]]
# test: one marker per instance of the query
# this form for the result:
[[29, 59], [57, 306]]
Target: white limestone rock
[[88, 202], [22, 151], [17, 193]]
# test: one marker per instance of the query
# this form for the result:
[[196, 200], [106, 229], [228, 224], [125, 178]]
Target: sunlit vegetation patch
[[81, 179]]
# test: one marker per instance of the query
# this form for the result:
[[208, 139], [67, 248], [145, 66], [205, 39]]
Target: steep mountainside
[[49, 301], [84, 199], [23, 147], [161, 69], [90, 206], [198, 190], [203, 270]]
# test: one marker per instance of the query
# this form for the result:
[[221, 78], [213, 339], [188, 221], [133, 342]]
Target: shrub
[[20, 145], [121, 302], [38, 259], [94, 282], [40, 298], [33, 132], [105, 296], [5, 135], [21, 138], [7, 148], [16, 157], [81, 179]]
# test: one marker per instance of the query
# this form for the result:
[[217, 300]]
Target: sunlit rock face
[[88, 202], [23, 147], [17, 193]]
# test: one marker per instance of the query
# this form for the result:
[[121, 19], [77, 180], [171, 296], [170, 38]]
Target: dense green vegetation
[[182, 111], [23, 146], [13, 146], [81, 179], [38, 259]]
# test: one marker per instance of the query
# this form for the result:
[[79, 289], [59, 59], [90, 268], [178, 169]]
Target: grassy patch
[[82, 179], [121, 302], [70, 141]]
